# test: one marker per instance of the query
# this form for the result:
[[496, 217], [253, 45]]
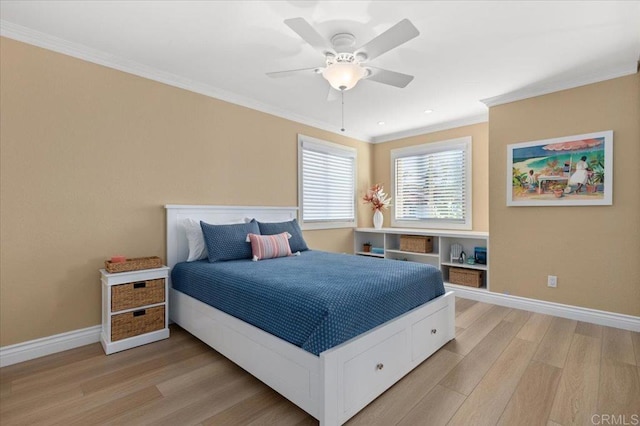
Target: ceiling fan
[[345, 65]]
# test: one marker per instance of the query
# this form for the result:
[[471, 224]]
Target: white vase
[[378, 218]]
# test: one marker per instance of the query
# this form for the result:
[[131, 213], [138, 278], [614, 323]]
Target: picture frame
[[566, 171]]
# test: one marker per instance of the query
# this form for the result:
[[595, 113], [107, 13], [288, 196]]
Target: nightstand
[[135, 308]]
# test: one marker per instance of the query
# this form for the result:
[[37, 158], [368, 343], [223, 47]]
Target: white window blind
[[326, 183], [432, 185]]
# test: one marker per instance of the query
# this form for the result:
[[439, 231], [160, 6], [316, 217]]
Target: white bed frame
[[341, 381]]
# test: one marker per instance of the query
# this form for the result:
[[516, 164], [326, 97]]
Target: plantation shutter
[[431, 186], [327, 182]]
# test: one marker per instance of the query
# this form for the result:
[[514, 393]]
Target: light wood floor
[[506, 367]]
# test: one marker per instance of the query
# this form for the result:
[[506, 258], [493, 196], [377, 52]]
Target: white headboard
[[177, 248]]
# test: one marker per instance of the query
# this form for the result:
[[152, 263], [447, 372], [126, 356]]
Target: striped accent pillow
[[269, 246]]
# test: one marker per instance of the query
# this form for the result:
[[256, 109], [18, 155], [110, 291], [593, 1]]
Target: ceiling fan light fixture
[[343, 75]]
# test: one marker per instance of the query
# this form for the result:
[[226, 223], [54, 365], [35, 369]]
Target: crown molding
[[465, 121], [80, 51], [539, 89]]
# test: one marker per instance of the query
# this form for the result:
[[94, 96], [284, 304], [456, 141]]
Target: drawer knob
[[380, 366], [434, 331]]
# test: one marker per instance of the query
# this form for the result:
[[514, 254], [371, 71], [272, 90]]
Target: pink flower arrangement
[[376, 196]]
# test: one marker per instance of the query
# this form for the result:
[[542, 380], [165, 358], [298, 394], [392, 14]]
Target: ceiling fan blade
[[288, 73], [400, 33], [391, 78], [310, 35]]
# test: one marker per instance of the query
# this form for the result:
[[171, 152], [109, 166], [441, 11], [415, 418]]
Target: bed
[[330, 384]]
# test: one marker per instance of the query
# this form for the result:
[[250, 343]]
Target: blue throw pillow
[[296, 242], [228, 242]]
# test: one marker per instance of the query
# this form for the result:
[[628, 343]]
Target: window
[[432, 185], [326, 184]]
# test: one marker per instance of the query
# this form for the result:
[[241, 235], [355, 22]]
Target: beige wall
[[480, 148], [89, 157], [594, 251]]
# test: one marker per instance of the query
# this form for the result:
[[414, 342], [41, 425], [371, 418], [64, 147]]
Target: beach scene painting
[[567, 171]]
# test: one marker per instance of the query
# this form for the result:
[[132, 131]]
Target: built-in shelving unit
[[388, 239]]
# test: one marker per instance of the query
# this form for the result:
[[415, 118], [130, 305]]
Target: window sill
[[310, 226], [431, 225]]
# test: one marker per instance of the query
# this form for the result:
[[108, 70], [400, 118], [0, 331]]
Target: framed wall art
[[567, 171]]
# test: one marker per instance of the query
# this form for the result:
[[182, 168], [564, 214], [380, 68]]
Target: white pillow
[[195, 239]]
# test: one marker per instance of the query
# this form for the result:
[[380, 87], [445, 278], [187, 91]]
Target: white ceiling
[[466, 52]]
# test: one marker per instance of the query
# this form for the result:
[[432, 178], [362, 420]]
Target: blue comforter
[[316, 300]]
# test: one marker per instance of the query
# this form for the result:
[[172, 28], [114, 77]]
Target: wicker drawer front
[[135, 323], [468, 277], [133, 295]]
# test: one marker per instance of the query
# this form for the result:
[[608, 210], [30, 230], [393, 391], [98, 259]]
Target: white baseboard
[[594, 316], [26, 351], [32, 349]]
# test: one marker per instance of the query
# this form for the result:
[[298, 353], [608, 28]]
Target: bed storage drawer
[[375, 369], [429, 334]]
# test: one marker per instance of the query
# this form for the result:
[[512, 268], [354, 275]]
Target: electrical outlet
[[552, 281]]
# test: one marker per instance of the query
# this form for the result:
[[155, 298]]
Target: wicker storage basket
[[416, 243], [468, 277], [134, 323], [134, 264], [141, 293]]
